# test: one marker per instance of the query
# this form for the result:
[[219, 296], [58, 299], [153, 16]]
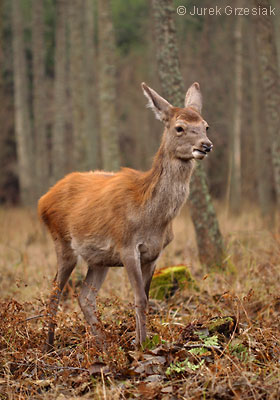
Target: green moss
[[223, 325], [168, 280]]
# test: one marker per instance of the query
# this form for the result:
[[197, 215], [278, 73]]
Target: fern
[[181, 366]]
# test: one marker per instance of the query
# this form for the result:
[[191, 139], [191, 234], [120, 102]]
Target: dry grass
[[244, 365]]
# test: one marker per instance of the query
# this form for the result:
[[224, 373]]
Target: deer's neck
[[167, 185]]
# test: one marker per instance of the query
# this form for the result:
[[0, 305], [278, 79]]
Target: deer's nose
[[207, 146]]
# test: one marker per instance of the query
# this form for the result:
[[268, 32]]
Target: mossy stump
[[168, 280], [223, 325]]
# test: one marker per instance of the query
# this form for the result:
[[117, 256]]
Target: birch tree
[[271, 85], [39, 99], [58, 133], [22, 116], [261, 147], [90, 87], [107, 88], [77, 78], [276, 21], [235, 187]]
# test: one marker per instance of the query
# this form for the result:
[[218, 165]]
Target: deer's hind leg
[[87, 298], [66, 262]]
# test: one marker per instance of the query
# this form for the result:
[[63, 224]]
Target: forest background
[[71, 97], [70, 75]]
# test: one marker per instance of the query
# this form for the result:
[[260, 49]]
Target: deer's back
[[83, 204]]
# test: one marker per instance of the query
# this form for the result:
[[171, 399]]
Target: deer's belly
[[102, 252], [97, 253]]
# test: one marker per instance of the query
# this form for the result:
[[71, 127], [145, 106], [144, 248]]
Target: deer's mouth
[[199, 154]]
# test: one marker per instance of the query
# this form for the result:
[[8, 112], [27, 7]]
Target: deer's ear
[[158, 104], [193, 97]]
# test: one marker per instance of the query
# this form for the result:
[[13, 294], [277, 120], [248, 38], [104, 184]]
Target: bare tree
[[90, 87], [107, 88], [271, 86], [77, 77], [276, 21], [2, 150], [262, 148], [1, 46], [58, 134], [22, 116], [39, 97], [235, 182], [209, 239], [83, 84]]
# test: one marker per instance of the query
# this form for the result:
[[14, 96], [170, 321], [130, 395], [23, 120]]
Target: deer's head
[[186, 130]]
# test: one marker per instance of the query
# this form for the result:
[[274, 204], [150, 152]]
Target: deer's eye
[[179, 129], [207, 128]]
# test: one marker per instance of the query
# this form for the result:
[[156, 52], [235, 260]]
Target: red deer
[[125, 218]]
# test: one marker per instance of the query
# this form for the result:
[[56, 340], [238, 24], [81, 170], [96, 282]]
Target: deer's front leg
[[131, 261], [148, 270]]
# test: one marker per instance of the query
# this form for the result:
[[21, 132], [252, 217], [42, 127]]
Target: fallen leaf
[[40, 382], [140, 369], [160, 350], [155, 359], [136, 355], [167, 389], [154, 378], [148, 390], [97, 368], [129, 372]]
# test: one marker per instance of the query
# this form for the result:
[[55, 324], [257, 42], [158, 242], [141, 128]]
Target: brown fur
[[123, 218]]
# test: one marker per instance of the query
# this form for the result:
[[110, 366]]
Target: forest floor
[[183, 359]]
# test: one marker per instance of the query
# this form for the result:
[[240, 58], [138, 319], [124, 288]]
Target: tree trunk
[[276, 21], [209, 239], [77, 78], [58, 134], [39, 99], [22, 116], [261, 147], [107, 88], [1, 47], [90, 85], [235, 181], [271, 86]]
